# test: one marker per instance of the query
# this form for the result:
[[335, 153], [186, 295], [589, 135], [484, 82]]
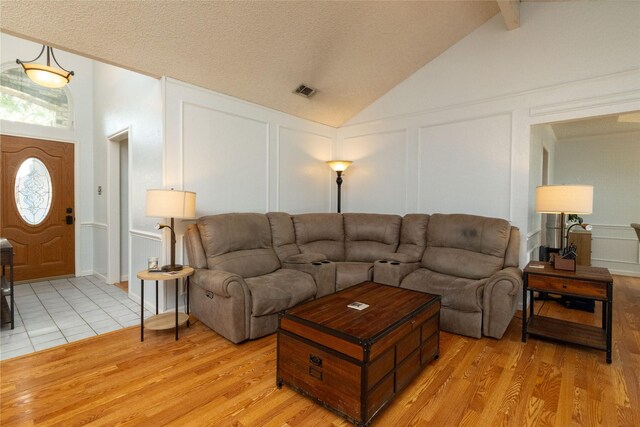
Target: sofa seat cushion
[[279, 290], [457, 293], [352, 273]]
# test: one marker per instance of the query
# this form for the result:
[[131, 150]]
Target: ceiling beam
[[510, 10]]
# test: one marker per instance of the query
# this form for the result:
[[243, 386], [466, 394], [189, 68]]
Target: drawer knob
[[315, 360], [564, 285]]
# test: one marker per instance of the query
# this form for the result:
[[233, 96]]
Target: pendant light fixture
[[46, 75]]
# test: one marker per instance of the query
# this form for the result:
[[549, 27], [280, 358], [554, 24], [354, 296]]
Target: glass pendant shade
[[46, 75]]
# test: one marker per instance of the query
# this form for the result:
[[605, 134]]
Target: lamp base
[[169, 267]]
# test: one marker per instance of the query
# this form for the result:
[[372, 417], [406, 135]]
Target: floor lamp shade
[[339, 166], [568, 199], [171, 204]]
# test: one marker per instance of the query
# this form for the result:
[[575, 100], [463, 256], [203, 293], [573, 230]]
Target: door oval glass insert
[[33, 191]]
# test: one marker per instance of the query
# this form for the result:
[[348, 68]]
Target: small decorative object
[[566, 259], [152, 264], [358, 305]]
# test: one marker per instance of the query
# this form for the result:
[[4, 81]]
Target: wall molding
[[267, 139], [582, 104], [355, 142], [505, 97], [464, 119], [533, 233], [612, 226], [615, 261], [621, 136], [612, 238], [100, 225], [145, 235], [370, 133], [278, 154]]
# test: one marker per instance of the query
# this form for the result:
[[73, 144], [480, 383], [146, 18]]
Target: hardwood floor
[[203, 379], [123, 285]]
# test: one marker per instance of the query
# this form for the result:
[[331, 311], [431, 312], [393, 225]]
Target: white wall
[[557, 42], [542, 138], [456, 134], [239, 156], [81, 90], [611, 163], [127, 101]]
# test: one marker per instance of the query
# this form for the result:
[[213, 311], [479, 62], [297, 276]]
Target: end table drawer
[[567, 286]]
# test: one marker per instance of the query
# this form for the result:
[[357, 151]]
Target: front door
[[37, 213]]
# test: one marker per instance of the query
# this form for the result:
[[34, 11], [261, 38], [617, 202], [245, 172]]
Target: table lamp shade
[[568, 199], [171, 204]]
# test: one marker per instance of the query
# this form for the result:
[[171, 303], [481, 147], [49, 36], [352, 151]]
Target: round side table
[[164, 320]]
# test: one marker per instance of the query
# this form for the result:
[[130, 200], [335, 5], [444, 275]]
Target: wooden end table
[[163, 320], [592, 283], [6, 285]]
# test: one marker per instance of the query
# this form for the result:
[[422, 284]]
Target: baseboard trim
[[101, 276]]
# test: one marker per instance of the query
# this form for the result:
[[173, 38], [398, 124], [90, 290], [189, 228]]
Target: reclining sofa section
[[250, 266]]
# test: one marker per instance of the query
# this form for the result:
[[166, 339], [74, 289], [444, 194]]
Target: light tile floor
[[56, 312]]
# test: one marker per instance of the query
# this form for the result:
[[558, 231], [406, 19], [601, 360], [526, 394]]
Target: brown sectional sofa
[[251, 266]]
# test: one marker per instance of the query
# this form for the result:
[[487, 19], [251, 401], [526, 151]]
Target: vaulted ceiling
[[352, 52]]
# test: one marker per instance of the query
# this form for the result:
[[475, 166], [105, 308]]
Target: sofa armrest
[[500, 300], [304, 258], [218, 281], [392, 272], [322, 271]]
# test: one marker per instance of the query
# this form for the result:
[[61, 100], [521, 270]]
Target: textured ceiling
[[352, 52]]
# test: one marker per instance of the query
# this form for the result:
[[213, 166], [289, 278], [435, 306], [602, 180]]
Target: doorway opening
[[601, 151], [118, 209]]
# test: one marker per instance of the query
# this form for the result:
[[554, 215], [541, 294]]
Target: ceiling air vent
[[304, 90]]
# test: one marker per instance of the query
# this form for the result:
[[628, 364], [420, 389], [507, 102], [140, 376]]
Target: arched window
[[21, 100]]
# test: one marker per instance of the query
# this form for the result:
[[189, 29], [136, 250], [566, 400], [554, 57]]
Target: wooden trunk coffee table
[[355, 362]]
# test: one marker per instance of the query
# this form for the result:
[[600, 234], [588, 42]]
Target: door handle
[[69, 219]]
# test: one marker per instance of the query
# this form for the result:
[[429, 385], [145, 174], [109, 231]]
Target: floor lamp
[[564, 199], [339, 166], [171, 204]]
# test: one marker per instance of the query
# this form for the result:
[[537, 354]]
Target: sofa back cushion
[[239, 243], [320, 233], [466, 246], [413, 236], [369, 237], [283, 236]]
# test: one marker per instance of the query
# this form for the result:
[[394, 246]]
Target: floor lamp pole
[[339, 182]]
